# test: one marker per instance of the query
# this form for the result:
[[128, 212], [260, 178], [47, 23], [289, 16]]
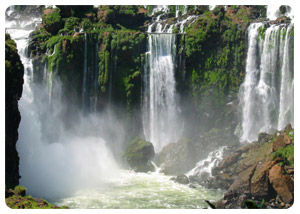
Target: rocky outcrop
[[178, 158], [52, 20], [13, 90], [283, 184], [17, 199], [139, 154], [261, 170]]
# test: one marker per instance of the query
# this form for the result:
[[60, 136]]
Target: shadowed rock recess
[[13, 90], [202, 93]]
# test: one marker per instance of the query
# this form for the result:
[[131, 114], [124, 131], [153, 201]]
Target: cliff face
[[100, 61], [13, 90], [210, 58]]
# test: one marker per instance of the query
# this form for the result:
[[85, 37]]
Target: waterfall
[[286, 106], [90, 74], [54, 159], [160, 109], [21, 38], [95, 79], [207, 164], [273, 12], [84, 85], [266, 95], [162, 26]]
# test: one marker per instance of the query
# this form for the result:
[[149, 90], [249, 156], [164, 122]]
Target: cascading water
[[266, 96], [273, 12], [90, 74], [286, 105], [207, 164], [84, 85], [161, 112], [181, 21], [76, 158]]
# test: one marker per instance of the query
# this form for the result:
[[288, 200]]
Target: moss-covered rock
[[20, 190], [52, 20], [17, 199], [139, 154]]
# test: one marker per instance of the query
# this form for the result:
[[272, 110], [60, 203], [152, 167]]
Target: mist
[[57, 160]]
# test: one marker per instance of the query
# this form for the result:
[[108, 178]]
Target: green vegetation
[[53, 22], [120, 61], [13, 65], [28, 202], [139, 154], [250, 204], [286, 154], [17, 199], [213, 49], [262, 32], [20, 190], [215, 52], [14, 72]]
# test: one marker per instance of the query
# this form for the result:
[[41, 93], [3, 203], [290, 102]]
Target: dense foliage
[[215, 49]]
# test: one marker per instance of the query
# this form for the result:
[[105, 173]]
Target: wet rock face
[[259, 185], [282, 184], [181, 179], [180, 157], [176, 158], [13, 90], [139, 154]]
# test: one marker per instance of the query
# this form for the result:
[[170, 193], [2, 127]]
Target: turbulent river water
[[141, 190]]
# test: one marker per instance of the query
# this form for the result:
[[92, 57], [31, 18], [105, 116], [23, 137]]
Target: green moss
[[215, 53], [20, 190], [86, 25], [71, 23], [56, 60], [53, 22], [243, 15], [262, 32], [150, 9], [139, 154], [13, 69], [291, 33], [287, 155], [28, 202]]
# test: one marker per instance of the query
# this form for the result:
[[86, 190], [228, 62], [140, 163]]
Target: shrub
[[20, 190], [287, 155], [53, 22], [71, 23]]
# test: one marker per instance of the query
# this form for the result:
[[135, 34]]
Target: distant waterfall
[[90, 74], [84, 85], [286, 105], [266, 96], [160, 109]]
